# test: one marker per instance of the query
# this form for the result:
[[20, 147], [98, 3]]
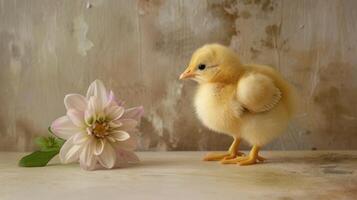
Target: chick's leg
[[232, 153], [252, 158]]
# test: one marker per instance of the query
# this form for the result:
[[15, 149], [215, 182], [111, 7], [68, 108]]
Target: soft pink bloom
[[98, 130]]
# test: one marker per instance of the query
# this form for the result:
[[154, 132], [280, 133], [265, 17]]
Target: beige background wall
[[138, 48]]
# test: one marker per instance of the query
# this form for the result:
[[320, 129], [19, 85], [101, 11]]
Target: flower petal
[[80, 138], [99, 147], [127, 124], [114, 112], [76, 117], [98, 89], [113, 101], [120, 135], [73, 154], [89, 116], [95, 106], [129, 144], [86, 158], [64, 128], [75, 101], [111, 139], [134, 113], [108, 157], [127, 156], [115, 124], [69, 151], [93, 166]]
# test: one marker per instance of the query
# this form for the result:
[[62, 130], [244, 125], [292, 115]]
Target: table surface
[[182, 175]]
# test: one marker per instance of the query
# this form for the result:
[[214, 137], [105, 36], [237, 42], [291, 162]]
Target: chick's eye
[[201, 66]]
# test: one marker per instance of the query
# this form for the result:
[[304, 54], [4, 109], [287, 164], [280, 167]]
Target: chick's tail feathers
[[291, 99]]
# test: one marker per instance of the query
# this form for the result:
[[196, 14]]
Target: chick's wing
[[257, 92]]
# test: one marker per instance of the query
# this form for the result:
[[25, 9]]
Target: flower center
[[100, 129]]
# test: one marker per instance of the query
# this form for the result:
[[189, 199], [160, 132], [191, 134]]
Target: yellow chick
[[250, 102]]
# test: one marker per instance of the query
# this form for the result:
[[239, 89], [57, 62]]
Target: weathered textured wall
[[139, 48]]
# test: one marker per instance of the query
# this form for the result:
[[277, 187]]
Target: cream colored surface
[[140, 47], [182, 175]]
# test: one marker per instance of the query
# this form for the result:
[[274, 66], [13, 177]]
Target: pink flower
[[99, 131]]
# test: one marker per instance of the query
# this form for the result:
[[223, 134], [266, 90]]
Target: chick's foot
[[231, 154], [221, 156], [243, 160], [251, 159]]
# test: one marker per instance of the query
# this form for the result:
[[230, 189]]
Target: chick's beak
[[187, 74]]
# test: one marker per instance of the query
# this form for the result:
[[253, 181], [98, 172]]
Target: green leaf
[[49, 143], [49, 147], [50, 130], [41, 142], [38, 158], [59, 141]]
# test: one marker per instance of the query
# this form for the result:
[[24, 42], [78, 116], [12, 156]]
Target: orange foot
[[251, 159], [222, 156]]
